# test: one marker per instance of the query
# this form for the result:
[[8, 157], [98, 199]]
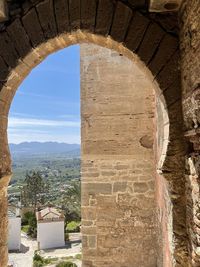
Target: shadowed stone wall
[[190, 68], [118, 166]]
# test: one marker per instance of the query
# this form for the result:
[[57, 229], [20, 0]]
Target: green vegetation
[[47, 180], [35, 190], [57, 171], [29, 224], [39, 261], [78, 256], [73, 227], [25, 228], [66, 264]]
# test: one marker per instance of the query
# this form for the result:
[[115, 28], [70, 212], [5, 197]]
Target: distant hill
[[39, 148]]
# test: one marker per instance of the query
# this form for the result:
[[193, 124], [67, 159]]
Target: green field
[[59, 170]]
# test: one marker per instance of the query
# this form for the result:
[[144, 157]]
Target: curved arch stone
[[46, 27]]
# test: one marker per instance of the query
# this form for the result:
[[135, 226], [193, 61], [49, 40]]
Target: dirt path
[[24, 258]]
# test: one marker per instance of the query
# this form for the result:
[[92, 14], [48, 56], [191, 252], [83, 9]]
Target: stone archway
[[46, 27]]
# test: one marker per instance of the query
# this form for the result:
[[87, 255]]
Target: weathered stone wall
[[190, 68], [118, 163]]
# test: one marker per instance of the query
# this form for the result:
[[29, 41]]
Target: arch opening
[[39, 53]]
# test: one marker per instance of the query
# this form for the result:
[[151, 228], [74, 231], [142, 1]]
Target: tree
[[71, 202], [35, 190]]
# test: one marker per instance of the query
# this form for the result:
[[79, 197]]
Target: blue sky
[[46, 106]]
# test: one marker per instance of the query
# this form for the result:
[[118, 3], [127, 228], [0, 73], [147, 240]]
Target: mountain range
[[41, 148]]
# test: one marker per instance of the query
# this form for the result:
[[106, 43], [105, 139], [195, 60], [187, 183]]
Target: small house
[[50, 228], [14, 231]]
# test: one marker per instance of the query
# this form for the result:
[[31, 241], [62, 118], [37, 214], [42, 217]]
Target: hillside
[[39, 148]]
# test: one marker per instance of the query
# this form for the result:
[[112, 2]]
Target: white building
[[14, 231], [50, 228]]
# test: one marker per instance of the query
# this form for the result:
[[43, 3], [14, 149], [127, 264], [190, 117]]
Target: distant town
[[44, 198]]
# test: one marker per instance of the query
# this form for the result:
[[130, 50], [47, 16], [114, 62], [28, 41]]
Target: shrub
[[37, 257], [26, 217], [73, 227], [78, 256], [39, 261], [37, 264], [29, 220], [66, 264]]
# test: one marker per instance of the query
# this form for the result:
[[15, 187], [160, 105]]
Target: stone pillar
[[118, 166], [190, 68]]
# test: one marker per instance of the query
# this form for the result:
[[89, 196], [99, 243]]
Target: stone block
[[166, 49], [48, 23], [149, 44], [19, 37], [61, 8], [7, 50], [74, 14], [104, 17], [119, 187], [32, 26], [97, 188], [136, 31], [88, 13], [121, 21], [140, 187]]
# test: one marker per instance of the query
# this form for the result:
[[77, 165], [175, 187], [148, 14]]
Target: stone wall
[[118, 165], [190, 67]]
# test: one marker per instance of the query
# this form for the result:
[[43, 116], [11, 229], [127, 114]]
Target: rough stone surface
[[121, 193], [190, 67]]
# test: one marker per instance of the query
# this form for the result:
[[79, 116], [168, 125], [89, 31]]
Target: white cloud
[[15, 122]]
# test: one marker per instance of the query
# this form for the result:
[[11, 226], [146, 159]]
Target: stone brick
[[19, 37], [4, 71], [90, 174], [119, 187], [88, 230], [92, 241], [140, 187], [121, 167], [75, 14], [88, 213], [138, 3], [173, 92], [169, 72], [149, 45], [88, 14], [47, 22], [166, 49], [97, 188], [62, 15], [136, 31], [108, 173], [7, 50], [32, 27], [121, 21], [104, 17], [87, 222]]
